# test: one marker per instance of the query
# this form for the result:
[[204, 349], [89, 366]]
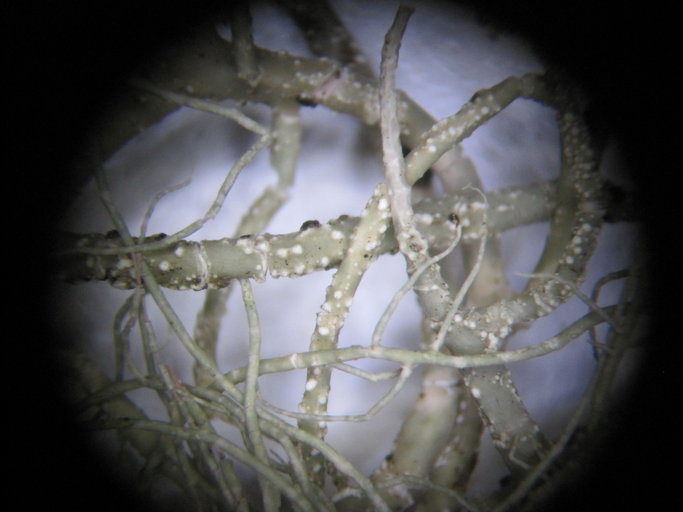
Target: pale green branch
[[212, 107], [271, 500], [179, 433], [403, 374], [406, 357], [361, 252]]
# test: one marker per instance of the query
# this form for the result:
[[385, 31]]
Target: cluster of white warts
[[339, 296], [273, 259], [263, 248], [193, 265]]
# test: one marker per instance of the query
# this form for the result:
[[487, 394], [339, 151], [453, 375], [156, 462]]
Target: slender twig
[[403, 375], [211, 212], [369, 376], [286, 132], [234, 451], [410, 242], [298, 360], [209, 106], [437, 343], [409, 284], [271, 500], [579, 293], [155, 200]]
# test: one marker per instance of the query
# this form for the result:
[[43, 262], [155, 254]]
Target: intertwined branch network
[[465, 386]]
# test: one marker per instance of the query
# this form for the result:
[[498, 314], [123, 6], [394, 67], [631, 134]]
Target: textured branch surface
[[466, 319], [214, 263]]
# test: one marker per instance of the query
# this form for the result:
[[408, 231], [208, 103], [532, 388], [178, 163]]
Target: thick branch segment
[[204, 64], [196, 265], [361, 252], [572, 239]]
